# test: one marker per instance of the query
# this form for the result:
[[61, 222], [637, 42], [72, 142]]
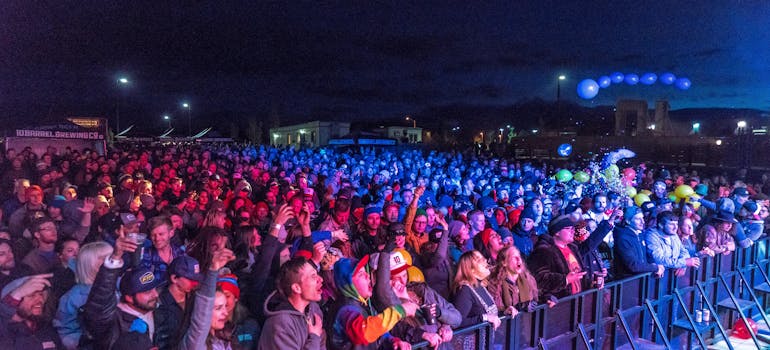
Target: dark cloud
[[485, 91], [711, 52], [632, 58]]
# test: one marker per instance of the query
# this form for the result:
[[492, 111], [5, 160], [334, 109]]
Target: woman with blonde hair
[[511, 284], [471, 297], [89, 260]]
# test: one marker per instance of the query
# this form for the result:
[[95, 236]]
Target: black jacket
[[17, 335], [103, 321], [630, 253], [168, 319], [437, 267]]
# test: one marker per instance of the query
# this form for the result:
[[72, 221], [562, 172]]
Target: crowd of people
[[252, 247]]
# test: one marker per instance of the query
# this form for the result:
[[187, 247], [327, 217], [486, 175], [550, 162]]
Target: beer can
[[706, 315], [698, 316]]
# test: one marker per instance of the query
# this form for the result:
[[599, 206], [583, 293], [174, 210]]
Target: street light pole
[[186, 106], [558, 87], [122, 81], [168, 119]]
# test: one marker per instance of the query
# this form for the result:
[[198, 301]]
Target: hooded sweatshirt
[[357, 324], [287, 327]]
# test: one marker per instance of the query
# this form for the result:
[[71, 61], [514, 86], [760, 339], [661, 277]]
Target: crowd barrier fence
[[641, 312]]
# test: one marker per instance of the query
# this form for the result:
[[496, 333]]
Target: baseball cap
[[399, 262], [128, 218], [187, 267], [741, 191], [138, 280]]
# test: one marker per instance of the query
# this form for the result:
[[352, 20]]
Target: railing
[[633, 312]]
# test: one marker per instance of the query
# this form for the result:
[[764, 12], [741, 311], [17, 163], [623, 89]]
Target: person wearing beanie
[[371, 235], [240, 327], [416, 222], [524, 235], [459, 233], [557, 263], [488, 243], [630, 253], [357, 325]]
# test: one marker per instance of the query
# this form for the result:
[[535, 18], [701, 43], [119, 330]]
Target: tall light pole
[[122, 82], [168, 119], [414, 122], [558, 87], [186, 107]]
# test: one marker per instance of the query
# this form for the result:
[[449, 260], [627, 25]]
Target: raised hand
[[33, 284], [220, 258], [88, 205], [123, 245], [284, 214]]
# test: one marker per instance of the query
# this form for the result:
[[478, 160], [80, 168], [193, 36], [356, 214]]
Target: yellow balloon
[[641, 198], [415, 275], [647, 192], [631, 191], [683, 191], [694, 201]]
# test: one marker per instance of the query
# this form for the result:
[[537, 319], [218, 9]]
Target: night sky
[[307, 60]]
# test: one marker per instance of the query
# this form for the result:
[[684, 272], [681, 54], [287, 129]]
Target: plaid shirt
[[151, 260]]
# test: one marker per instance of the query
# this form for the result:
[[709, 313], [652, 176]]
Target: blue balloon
[[648, 78], [604, 81], [667, 78], [683, 83], [616, 77], [632, 79], [588, 89], [564, 150]]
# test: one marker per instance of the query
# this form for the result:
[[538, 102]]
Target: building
[[312, 134], [633, 118], [404, 134]]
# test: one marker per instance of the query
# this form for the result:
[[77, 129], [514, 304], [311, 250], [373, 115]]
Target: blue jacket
[[66, 320]]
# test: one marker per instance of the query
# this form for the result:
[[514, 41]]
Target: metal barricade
[[637, 312]]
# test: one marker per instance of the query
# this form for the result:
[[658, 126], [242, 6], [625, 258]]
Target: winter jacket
[[437, 268], [357, 325], [66, 321], [506, 292], [550, 268], [287, 328], [666, 250], [15, 335], [523, 241], [412, 329], [630, 253], [168, 320]]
